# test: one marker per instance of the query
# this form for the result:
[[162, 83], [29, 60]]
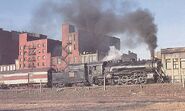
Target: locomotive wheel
[[129, 80], [139, 77], [125, 79]]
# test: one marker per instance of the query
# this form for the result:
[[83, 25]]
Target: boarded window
[[182, 62], [175, 63], [168, 64]]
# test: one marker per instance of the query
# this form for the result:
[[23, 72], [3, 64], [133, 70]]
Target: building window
[[39, 51], [21, 47], [182, 62], [24, 65], [33, 65], [43, 57], [38, 58], [20, 65], [21, 53], [43, 64], [38, 45], [175, 63], [38, 64], [69, 60], [168, 64], [74, 59], [59, 61], [4, 68], [90, 58], [25, 52], [43, 45], [74, 37], [94, 67], [74, 47], [70, 38], [43, 51], [69, 49]]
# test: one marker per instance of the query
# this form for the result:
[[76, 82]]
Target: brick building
[[9, 43], [76, 43], [36, 51]]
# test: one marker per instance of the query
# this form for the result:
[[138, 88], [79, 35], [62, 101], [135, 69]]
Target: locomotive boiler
[[130, 72]]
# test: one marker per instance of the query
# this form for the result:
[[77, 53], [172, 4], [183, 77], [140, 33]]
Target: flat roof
[[173, 50]]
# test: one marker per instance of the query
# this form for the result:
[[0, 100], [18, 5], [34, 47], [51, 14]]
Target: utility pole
[[104, 82], [40, 86]]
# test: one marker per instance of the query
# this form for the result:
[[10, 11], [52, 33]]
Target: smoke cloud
[[109, 17], [113, 54]]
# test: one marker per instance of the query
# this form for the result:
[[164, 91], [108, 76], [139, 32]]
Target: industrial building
[[173, 60], [77, 44], [9, 46], [36, 51]]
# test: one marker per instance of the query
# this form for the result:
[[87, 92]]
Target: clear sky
[[169, 17]]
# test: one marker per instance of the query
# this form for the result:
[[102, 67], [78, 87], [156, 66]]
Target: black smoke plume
[[109, 17]]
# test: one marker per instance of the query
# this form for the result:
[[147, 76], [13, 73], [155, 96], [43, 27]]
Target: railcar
[[12, 79]]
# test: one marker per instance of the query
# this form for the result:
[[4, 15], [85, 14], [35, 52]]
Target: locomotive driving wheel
[[139, 77], [125, 79]]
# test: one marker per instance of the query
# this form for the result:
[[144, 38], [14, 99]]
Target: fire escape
[[32, 56], [66, 52]]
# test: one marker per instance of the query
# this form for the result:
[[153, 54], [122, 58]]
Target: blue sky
[[169, 17]]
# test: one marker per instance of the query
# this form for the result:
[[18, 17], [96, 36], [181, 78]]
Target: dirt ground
[[151, 97]]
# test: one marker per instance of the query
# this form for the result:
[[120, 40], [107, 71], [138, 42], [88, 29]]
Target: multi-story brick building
[[75, 43], [9, 46], [36, 51]]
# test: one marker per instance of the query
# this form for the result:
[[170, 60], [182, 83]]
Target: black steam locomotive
[[114, 73]]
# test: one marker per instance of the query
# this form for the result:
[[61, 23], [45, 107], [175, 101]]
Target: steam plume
[[108, 17], [113, 54]]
